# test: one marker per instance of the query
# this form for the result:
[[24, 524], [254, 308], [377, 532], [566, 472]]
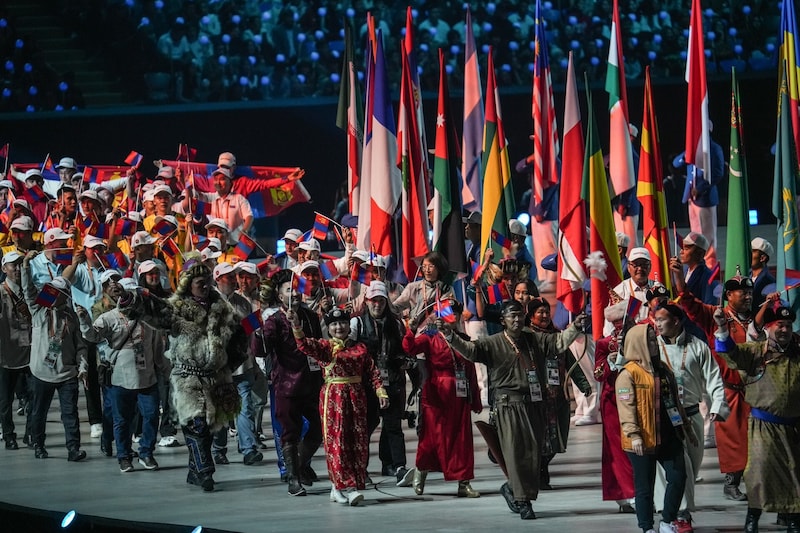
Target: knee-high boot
[[731, 488], [201, 464], [544, 472], [307, 449], [292, 460], [751, 521]]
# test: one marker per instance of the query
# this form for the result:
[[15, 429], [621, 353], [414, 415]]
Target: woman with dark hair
[[343, 403], [206, 343], [449, 392], [419, 296], [557, 405]]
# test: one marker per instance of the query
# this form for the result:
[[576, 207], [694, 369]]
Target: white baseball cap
[[207, 253], [224, 171], [34, 173], [361, 255], [639, 253], [6, 184], [762, 245], [90, 194], [213, 241], [23, 223], [11, 257], [129, 284], [108, 274], [218, 222], [56, 234], [146, 266], [623, 240], [247, 267], [162, 189], [516, 227], [227, 159], [309, 264], [222, 269], [310, 244], [292, 234], [21, 202], [696, 239], [375, 289], [59, 283], [67, 162], [141, 238], [166, 172], [90, 241], [149, 196]]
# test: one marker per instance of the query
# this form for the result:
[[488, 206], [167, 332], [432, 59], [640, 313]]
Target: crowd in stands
[[236, 50]]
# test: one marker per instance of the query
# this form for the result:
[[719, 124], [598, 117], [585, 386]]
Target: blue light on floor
[[198, 529], [753, 214], [68, 518]]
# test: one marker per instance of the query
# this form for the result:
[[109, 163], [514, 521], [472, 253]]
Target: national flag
[[714, 274], [632, 311], [114, 260], [164, 227], [321, 227], [412, 160], [102, 231], [186, 153], [448, 230], [444, 310], [350, 118], [788, 55], [63, 257], [498, 192], [383, 175], [304, 237], [472, 146], [90, 174], [170, 248], [4, 151], [35, 194], [85, 224], [200, 242], [497, 293], [571, 208], [264, 267], [125, 227], [302, 285], [251, 322], [620, 153], [792, 278], [784, 206], [134, 159], [47, 296], [737, 250], [244, 247], [650, 191], [698, 141], [48, 165], [545, 127], [601, 222], [361, 274], [475, 270], [501, 239], [202, 208], [364, 183], [328, 270]]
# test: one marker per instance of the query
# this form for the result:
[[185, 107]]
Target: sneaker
[[683, 526], [667, 527], [252, 457], [135, 439], [232, 432], [40, 452], [76, 455], [11, 444], [21, 409], [125, 466], [404, 476], [221, 459], [148, 462], [96, 431], [169, 442], [586, 421]]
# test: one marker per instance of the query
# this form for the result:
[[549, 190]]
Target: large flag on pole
[[620, 152], [350, 118], [412, 163], [698, 140], [571, 207], [650, 192], [498, 193], [545, 128], [448, 228], [737, 251], [473, 124], [602, 237], [784, 205], [788, 54], [365, 182]]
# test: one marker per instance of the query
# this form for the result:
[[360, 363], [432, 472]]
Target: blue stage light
[[198, 529], [68, 519], [524, 217]]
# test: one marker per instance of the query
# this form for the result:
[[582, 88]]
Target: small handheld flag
[[115, 260], [302, 285], [164, 227], [244, 247], [35, 194], [63, 258], [134, 159], [321, 227], [497, 293], [202, 208], [200, 242], [634, 304], [186, 153], [501, 239], [444, 311], [361, 275], [328, 270], [715, 273], [48, 296], [125, 227], [251, 322], [170, 248]]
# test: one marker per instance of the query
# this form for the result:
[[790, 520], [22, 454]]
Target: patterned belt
[[189, 370], [346, 379]]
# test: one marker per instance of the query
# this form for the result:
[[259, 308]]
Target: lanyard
[[663, 346], [519, 353]]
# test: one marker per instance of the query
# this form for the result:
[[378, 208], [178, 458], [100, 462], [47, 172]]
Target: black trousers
[[9, 377], [94, 404]]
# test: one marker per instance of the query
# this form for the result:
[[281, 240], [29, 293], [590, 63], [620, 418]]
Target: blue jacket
[[764, 280], [707, 193], [699, 286]]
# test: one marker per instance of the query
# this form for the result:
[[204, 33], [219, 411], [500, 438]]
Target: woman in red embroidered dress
[[449, 392], [343, 404]]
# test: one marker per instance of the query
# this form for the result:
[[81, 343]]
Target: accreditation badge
[[461, 383], [534, 386]]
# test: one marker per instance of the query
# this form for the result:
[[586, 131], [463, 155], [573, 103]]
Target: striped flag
[[444, 310], [792, 278], [171, 248], [497, 293], [125, 227], [302, 285], [698, 140], [63, 257], [350, 118], [501, 239], [545, 128], [186, 153], [47, 296], [412, 160], [251, 322], [737, 251], [164, 227], [498, 192], [788, 55], [48, 165], [328, 270], [364, 182], [473, 124], [620, 153], [115, 260], [448, 230], [202, 208], [4, 151], [200, 242], [134, 159], [715, 274], [90, 174], [361, 274], [244, 247], [632, 311], [601, 222], [571, 207], [35, 194], [650, 192], [321, 226]]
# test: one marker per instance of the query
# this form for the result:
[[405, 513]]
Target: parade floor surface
[[253, 499]]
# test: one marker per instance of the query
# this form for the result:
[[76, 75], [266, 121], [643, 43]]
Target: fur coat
[[200, 342]]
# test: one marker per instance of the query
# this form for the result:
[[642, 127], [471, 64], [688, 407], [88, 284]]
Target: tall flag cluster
[[737, 251], [698, 139], [788, 56], [545, 129], [473, 124], [350, 118]]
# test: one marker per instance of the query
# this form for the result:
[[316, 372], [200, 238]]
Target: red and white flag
[[698, 141]]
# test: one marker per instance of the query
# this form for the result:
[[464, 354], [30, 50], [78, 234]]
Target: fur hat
[[616, 311], [192, 268]]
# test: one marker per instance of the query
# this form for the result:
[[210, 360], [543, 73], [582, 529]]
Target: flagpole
[[46, 159], [8, 152]]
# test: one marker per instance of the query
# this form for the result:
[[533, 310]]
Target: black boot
[[751, 522], [292, 460], [794, 523], [306, 451], [731, 488], [544, 473]]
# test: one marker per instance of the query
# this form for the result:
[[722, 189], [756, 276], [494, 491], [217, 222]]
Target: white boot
[[354, 497], [337, 496]]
